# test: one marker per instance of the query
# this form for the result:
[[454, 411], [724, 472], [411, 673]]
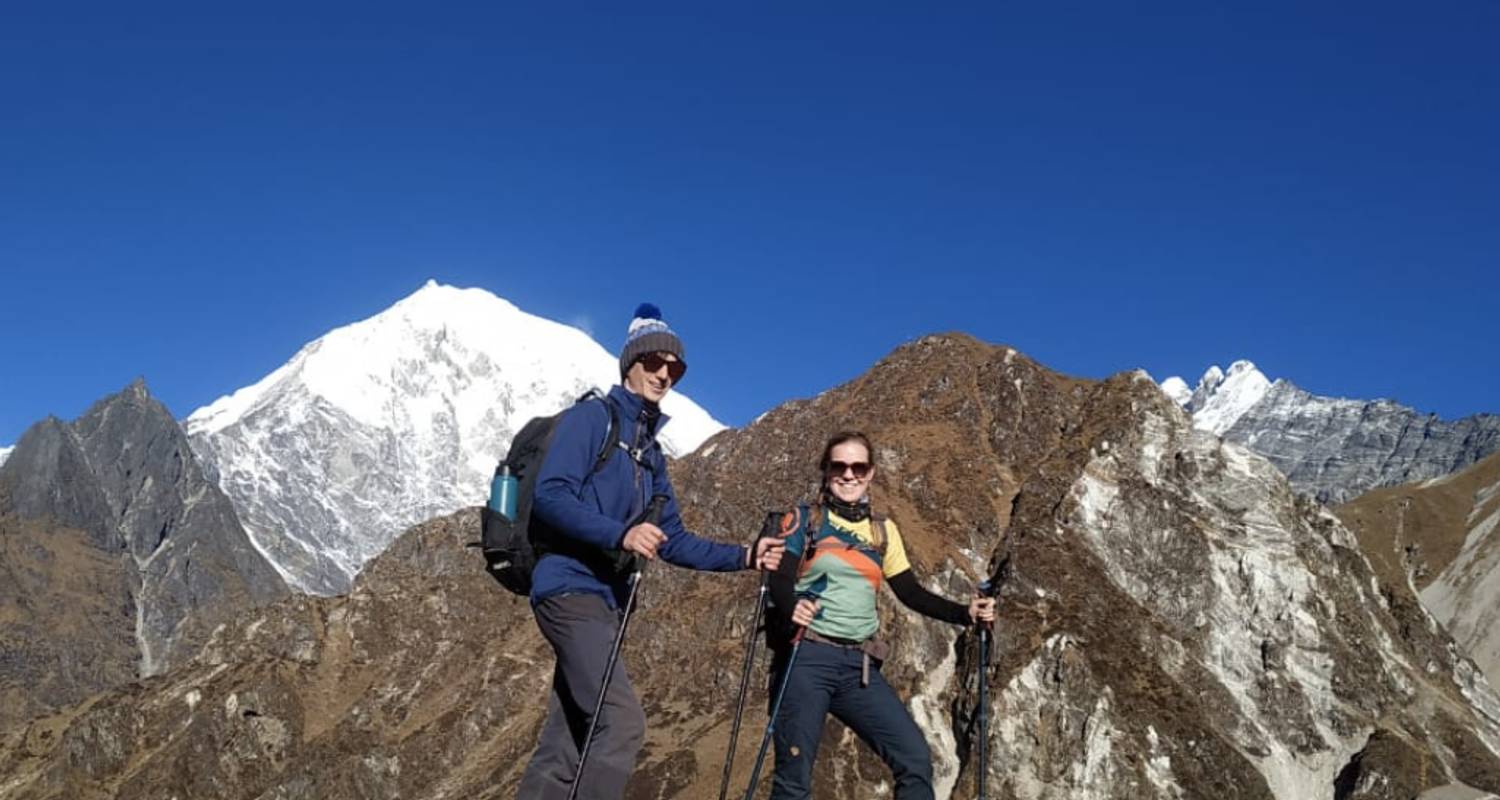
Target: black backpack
[[511, 547]]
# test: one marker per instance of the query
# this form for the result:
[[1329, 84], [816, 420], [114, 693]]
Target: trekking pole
[[767, 531], [652, 514], [739, 707], [986, 589], [786, 678]]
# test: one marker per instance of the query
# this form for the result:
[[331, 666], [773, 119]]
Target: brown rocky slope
[[1441, 537], [1175, 624]]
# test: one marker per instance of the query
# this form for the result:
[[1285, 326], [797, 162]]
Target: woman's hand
[[982, 609], [805, 611]]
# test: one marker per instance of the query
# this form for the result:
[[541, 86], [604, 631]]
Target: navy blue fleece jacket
[[593, 508]]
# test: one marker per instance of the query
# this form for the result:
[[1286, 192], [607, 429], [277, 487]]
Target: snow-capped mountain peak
[[5, 453], [1333, 448], [1220, 398], [1177, 389], [395, 419], [1207, 385], [351, 367]]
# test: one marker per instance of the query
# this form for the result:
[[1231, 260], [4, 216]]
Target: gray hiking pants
[[581, 629]]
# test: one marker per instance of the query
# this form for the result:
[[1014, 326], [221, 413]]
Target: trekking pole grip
[[654, 509], [652, 514], [987, 589], [801, 629], [626, 561]]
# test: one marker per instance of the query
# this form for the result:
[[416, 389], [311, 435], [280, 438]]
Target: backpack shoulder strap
[[877, 529], [611, 433], [791, 521], [806, 520]]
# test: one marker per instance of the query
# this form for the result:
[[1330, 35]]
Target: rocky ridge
[[1175, 623], [1334, 449], [121, 555]]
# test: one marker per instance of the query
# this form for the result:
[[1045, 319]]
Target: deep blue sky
[[190, 194]]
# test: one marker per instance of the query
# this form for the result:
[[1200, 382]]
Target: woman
[[838, 553]]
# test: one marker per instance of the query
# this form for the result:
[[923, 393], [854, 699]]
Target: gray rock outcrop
[[1334, 449], [122, 488]]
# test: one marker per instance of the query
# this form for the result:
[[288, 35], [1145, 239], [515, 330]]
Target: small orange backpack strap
[[789, 522]]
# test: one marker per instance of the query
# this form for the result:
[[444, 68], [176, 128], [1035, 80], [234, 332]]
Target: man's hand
[[982, 609], [805, 611], [766, 555], [643, 539]]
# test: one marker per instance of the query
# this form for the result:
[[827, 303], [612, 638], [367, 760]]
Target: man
[[578, 594]]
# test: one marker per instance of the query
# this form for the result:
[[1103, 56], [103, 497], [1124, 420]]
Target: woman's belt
[[871, 648]]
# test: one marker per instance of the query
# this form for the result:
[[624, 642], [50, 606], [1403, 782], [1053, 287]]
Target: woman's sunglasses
[[654, 361], [861, 469]]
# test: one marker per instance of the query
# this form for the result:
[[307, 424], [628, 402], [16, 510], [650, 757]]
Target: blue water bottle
[[503, 492]]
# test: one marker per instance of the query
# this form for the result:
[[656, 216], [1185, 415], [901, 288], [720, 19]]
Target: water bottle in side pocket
[[503, 489]]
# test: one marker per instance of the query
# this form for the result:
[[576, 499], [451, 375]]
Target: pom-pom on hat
[[649, 334]]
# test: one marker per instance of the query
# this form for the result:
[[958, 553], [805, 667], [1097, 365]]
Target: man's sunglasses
[[653, 362], [861, 469]]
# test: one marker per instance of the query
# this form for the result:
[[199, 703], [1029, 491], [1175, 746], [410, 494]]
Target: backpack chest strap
[[638, 454]]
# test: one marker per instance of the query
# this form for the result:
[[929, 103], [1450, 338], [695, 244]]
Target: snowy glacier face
[[396, 419], [1223, 397]]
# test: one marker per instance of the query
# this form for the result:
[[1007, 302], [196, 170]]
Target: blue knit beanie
[[649, 334]]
